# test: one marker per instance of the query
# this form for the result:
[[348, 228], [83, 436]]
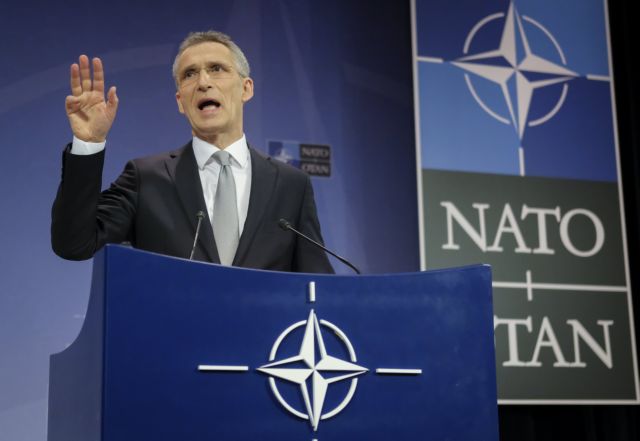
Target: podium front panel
[[194, 351]]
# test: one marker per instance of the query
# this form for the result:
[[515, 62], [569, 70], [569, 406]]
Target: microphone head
[[284, 224], [200, 214]]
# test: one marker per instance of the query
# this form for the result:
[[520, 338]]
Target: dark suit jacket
[[153, 205]]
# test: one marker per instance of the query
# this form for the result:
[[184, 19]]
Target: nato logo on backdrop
[[518, 168], [534, 103], [314, 159]]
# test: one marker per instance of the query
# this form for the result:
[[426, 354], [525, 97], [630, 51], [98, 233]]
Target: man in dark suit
[[155, 202]]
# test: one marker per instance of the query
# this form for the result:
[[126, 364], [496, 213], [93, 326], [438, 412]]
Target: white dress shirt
[[208, 169]]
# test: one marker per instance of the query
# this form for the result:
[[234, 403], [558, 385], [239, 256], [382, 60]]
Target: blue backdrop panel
[[466, 123], [154, 320], [319, 80]]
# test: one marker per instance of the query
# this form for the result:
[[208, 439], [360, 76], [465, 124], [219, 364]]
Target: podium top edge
[[111, 248]]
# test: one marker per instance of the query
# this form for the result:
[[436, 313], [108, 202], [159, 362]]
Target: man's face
[[211, 92]]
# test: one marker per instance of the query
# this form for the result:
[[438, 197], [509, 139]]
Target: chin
[[208, 129]]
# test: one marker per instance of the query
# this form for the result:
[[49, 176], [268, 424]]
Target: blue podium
[[178, 350]]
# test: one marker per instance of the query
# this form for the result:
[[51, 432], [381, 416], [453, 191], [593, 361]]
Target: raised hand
[[89, 114]]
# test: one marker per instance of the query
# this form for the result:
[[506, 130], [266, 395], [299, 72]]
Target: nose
[[204, 80]]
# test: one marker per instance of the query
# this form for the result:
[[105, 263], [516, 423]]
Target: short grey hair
[[195, 38]]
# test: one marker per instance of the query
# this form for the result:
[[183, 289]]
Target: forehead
[[205, 52]]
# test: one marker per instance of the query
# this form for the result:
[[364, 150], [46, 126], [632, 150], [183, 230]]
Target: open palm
[[89, 114]]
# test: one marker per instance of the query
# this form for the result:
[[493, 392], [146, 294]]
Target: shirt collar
[[239, 151]]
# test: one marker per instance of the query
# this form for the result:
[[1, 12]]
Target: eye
[[216, 68], [189, 73]]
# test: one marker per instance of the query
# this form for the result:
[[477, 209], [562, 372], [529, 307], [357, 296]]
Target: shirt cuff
[[80, 147]]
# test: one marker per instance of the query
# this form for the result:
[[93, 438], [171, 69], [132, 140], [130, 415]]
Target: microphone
[[200, 216], [285, 225]]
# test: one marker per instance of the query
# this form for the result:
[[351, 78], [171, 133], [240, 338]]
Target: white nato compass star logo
[[284, 156], [313, 369], [314, 374], [517, 69], [521, 65]]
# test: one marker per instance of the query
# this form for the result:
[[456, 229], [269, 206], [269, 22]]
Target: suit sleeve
[[83, 219], [308, 258]]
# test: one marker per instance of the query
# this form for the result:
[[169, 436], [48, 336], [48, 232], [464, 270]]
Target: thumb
[[112, 98]]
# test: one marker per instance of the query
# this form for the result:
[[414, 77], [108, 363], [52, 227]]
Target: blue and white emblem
[[311, 376], [512, 67], [313, 369]]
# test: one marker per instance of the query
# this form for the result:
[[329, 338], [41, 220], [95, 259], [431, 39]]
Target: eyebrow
[[208, 63]]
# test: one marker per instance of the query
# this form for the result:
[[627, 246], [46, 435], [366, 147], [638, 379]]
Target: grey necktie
[[225, 211]]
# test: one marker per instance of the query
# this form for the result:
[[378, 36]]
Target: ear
[[180, 108], [247, 89]]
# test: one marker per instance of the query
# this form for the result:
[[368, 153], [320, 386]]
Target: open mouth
[[208, 103]]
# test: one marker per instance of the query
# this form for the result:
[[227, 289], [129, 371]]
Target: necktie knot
[[223, 158]]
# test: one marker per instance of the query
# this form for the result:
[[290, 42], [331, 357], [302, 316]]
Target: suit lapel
[[183, 169], [263, 179]]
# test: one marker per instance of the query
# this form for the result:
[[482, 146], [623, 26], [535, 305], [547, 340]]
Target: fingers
[[98, 75], [76, 88], [85, 73], [72, 104], [80, 76]]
